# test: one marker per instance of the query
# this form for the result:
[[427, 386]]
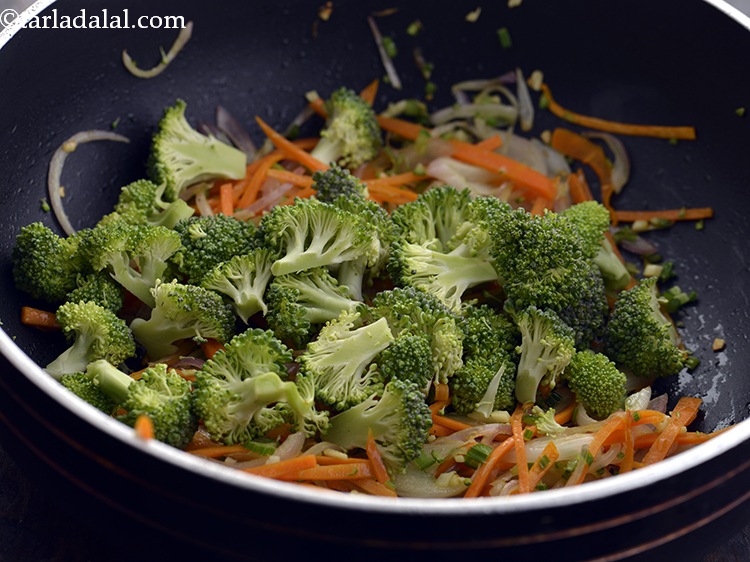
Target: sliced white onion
[[56, 167], [556, 162], [390, 69], [322, 447], [414, 483], [605, 459], [525, 105], [505, 113], [201, 201], [269, 198], [582, 417], [291, 447], [526, 152], [182, 38], [568, 446], [463, 176], [621, 163], [235, 131], [659, 403], [459, 89], [638, 400]]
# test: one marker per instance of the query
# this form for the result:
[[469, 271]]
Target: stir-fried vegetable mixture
[[408, 304]]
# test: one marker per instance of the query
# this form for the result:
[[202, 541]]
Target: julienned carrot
[[370, 92], [543, 463], [484, 472], [319, 107], [324, 460], [292, 151], [697, 213], [373, 453], [219, 451], [260, 172], [290, 177], [641, 417], [492, 143], [613, 423], [226, 199], [450, 423], [390, 194], [519, 443], [37, 318], [305, 193], [683, 414], [579, 188], [404, 129], [566, 414], [659, 131], [395, 181], [284, 468], [442, 392], [629, 451], [210, 347], [539, 206], [375, 488], [144, 427], [347, 471], [440, 430], [687, 438]]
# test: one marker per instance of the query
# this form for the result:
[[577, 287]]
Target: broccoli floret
[[96, 333], [596, 382], [83, 386], [408, 358], [208, 241], [241, 392], [180, 312], [434, 217], [447, 276], [299, 301], [337, 182], [588, 308], [99, 288], [475, 237], [159, 394], [545, 422], [351, 135], [180, 156], [400, 423], [639, 337], [340, 360], [484, 384], [312, 234], [45, 265], [141, 202], [409, 310], [136, 256], [244, 280], [591, 219], [547, 346], [488, 331]]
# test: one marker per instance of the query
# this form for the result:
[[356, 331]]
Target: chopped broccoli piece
[[96, 333], [45, 265], [141, 202], [243, 279], [160, 394], [400, 423], [300, 301], [340, 360], [488, 331], [484, 385], [596, 382], [547, 346], [83, 386], [408, 358], [180, 156], [338, 182], [99, 288], [639, 338], [545, 422], [208, 241], [180, 312], [351, 135]]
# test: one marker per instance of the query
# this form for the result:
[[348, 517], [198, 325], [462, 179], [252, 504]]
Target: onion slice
[[525, 105], [226, 122], [182, 38], [390, 69], [621, 164], [56, 167]]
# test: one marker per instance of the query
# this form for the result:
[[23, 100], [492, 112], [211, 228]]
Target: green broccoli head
[[160, 394], [45, 265], [484, 384], [96, 333], [408, 358], [243, 279], [140, 202], [208, 241], [241, 393], [180, 312], [591, 220], [298, 302], [547, 346], [639, 338], [400, 422], [99, 288], [475, 237], [84, 386], [181, 156], [351, 135], [340, 360], [545, 422], [338, 182], [596, 382], [312, 234], [488, 331]]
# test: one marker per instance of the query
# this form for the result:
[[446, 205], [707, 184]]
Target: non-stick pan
[[671, 62]]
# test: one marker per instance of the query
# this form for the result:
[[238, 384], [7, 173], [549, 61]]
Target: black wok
[[672, 62]]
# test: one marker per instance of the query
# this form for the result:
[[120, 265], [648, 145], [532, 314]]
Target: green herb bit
[[477, 455], [528, 435], [692, 362], [429, 90], [740, 111], [636, 416], [699, 225], [115, 123], [587, 456], [264, 449], [544, 462], [45, 205], [390, 46], [503, 35], [543, 102], [415, 28], [541, 487]]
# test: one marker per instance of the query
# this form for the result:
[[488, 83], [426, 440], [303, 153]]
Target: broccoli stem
[[112, 381], [72, 360], [615, 274], [327, 151]]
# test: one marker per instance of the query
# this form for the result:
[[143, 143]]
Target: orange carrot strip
[[683, 414], [290, 177], [450, 423], [370, 92], [697, 213], [279, 433], [629, 453], [395, 181], [492, 143], [565, 415], [226, 199], [440, 430], [442, 392], [305, 193], [519, 443], [405, 129], [292, 151], [144, 427], [613, 423], [38, 318], [346, 471], [436, 406], [397, 195], [253, 186], [319, 107], [688, 438], [375, 488], [323, 460], [549, 455], [373, 453], [216, 452], [659, 131], [485, 470], [539, 206], [641, 417], [210, 347], [579, 188], [284, 468]]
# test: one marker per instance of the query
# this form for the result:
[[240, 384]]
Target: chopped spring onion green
[[477, 455]]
